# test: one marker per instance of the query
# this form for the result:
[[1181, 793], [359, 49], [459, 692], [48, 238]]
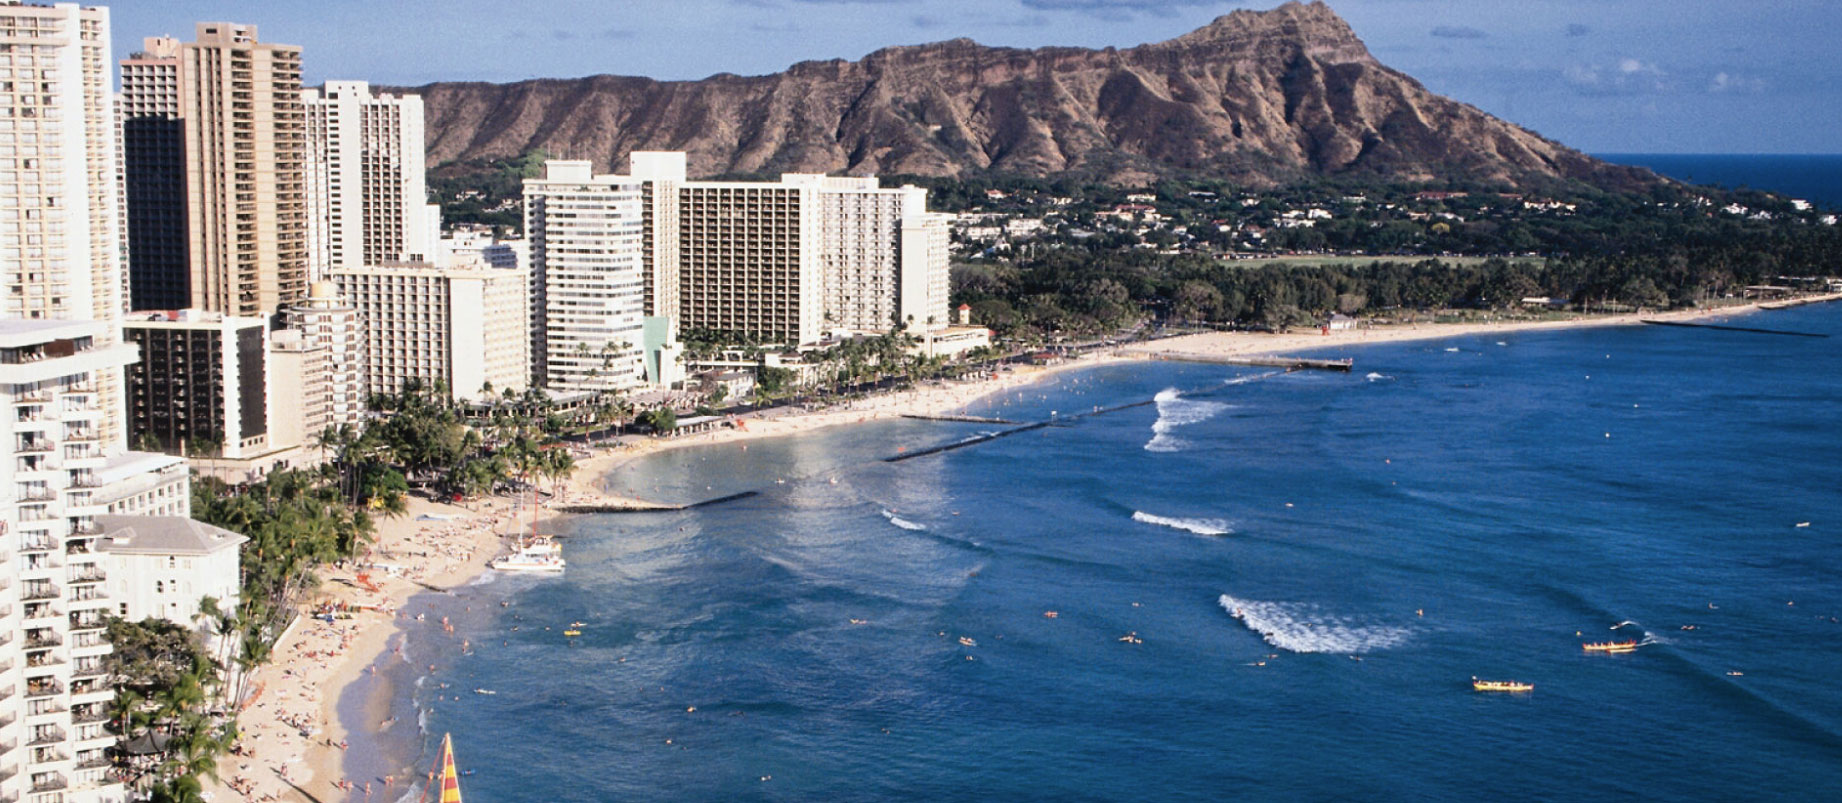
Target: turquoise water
[[1478, 506]]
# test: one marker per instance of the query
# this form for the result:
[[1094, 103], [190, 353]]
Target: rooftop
[[164, 535], [21, 332]]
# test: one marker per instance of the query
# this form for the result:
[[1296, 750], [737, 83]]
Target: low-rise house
[[162, 566]]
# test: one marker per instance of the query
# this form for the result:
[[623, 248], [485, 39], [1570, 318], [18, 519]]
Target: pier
[[639, 506], [965, 419], [1288, 363], [1724, 328]]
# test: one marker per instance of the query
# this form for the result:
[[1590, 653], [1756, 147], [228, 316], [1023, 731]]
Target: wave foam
[[1302, 627], [902, 522], [1197, 526], [1376, 377], [1175, 411]]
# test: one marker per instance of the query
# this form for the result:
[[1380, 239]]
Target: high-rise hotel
[[589, 313], [63, 460], [365, 180], [224, 117], [785, 262]]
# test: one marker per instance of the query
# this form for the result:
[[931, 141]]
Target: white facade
[[884, 256], [463, 328], [585, 233], [58, 475], [328, 320], [163, 566], [60, 235], [367, 189]]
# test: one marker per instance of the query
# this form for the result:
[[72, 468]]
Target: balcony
[[92, 576], [49, 782], [40, 592], [33, 445], [43, 690], [43, 642]]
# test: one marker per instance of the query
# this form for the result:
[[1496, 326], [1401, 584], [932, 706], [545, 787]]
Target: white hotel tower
[[586, 237], [62, 433], [366, 181]]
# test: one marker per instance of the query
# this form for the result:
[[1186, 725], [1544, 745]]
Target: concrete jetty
[[1264, 361]]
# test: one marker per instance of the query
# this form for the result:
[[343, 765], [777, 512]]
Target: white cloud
[[1724, 82], [1626, 76]]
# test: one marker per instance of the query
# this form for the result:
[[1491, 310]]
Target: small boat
[[572, 633], [444, 780], [522, 560], [967, 641], [578, 624], [1501, 685], [484, 691], [1629, 645], [537, 554]]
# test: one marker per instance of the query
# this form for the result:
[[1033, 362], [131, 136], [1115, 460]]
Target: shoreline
[[945, 396], [316, 664]]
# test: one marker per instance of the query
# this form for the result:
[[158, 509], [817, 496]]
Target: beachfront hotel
[[790, 262], [328, 321], [366, 185], [589, 313], [465, 328], [241, 148], [58, 474], [883, 256]]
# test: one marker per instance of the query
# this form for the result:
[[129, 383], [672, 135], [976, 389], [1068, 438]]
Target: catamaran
[[540, 554], [443, 777]]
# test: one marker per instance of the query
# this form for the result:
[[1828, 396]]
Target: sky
[[1604, 76]]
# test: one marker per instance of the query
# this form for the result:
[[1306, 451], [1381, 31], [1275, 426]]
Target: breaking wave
[[1197, 526], [1375, 377], [902, 522], [1303, 627], [1175, 411]]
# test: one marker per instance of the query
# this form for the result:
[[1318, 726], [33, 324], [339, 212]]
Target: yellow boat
[[1611, 646], [1501, 685], [572, 632]]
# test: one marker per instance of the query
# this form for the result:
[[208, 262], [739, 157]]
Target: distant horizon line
[[1605, 154]]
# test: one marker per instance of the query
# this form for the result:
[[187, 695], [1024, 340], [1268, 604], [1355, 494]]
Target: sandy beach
[[291, 728]]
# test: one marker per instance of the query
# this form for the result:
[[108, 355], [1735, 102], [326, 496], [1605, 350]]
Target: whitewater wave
[[1175, 411], [1375, 377], [1197, 526], [1303, 627], [1242, 380], [902, 522]]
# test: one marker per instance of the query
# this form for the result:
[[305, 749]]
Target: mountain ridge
[[1256, 97]]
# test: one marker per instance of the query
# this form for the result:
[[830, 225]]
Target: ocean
[[1813, 177], [1263, 585]]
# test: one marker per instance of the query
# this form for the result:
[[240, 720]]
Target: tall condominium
[[466, 329], [243, 146], [367, 191], [792, 260], [660, 174], [153, 177], [59, 231], [882, 254], [585, 234], [59, 475], [327, 320], [748, 261]]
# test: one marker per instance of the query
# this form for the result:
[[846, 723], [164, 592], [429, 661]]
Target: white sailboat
[[539, 554]]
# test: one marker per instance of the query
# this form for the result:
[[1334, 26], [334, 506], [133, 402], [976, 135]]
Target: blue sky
[[1684, 76]]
